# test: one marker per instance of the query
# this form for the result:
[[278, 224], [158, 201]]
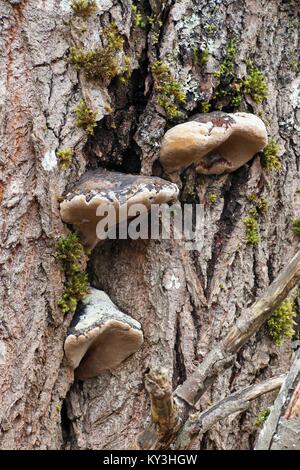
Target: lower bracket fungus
[[214, 143], [100, 337], [98, 191]]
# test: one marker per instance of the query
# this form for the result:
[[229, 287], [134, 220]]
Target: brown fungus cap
[[102, 187], [214, 143], [100, 337]]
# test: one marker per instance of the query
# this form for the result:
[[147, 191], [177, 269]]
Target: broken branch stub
[[163, 408], [165, 414]]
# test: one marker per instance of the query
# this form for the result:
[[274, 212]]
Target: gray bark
[[281, 431], [41, 406]]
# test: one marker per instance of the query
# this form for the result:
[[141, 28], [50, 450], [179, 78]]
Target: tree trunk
[[186, 301], [282, 428]]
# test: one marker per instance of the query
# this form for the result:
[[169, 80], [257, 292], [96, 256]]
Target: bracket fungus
[[214, 143], [100, 337], [110, 190]]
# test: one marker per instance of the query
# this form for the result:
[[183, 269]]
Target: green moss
[[253, 212], [281, 324], [227, 67], [70, 252], [101, 63], [294, 65], [143, 21], [296, 225], [270, 158], [255, 84], [252, 221], [210, 29], [190, 193], [262, 205], [200, 56], [252, 230], [138, 18], [205, 106], [261, 417], [252, 197], [155, 38], [230, 90], [85, 117], [222, 286], [169, 92], [212, 199], [84, 8], [65, 157], [126, 70]]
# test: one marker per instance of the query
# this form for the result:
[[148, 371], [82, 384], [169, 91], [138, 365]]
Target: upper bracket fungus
[[101, 189], [214, 143], [100, 336]]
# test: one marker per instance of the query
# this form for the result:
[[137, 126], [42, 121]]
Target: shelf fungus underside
[[214, 143], [109, 189], [100, 337]]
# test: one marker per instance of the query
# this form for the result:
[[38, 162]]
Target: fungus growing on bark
[[100, 337], [110, 190], [214, 143]]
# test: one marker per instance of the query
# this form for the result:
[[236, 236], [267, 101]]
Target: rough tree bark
[[185, 301], [281, 430]]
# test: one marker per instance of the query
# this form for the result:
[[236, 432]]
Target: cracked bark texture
[[185, 301], [281, 430]]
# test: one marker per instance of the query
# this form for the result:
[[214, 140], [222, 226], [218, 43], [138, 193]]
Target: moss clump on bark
[[169, 92], [70, 252], [270, 158], [210, 29], [85, 117], [200, 56], [252, 230], [213, 199], [296, 225], [228, 87], [255, 84], [262, 417], [84, 8], [138, 18], [205, 106], [65, 157], [262, 205], [281, 324], [230, 90], [102, 62]]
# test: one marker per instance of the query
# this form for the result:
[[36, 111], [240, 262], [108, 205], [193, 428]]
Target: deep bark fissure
[[229, 217], [66, 425], [179, 375], [105, 148]]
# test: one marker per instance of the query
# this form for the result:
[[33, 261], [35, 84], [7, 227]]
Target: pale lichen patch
[[49, 161], [2, 353], [295, 95]]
